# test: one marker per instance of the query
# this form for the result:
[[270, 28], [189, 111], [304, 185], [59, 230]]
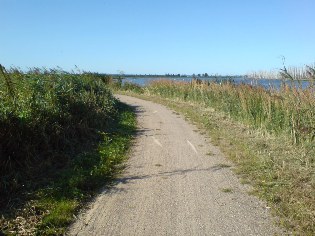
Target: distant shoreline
[[209, 77]]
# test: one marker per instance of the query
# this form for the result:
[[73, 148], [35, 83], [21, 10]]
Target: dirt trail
[[176, 183]]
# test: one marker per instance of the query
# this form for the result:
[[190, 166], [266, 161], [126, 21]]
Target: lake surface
[[266, 83]]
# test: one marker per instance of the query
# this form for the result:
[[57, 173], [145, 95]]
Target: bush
[[45, 116]]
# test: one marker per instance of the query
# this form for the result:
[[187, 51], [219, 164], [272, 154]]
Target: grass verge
[[54, 205], [281, 173]]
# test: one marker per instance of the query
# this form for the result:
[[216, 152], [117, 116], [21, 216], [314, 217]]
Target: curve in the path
[[175, 183]]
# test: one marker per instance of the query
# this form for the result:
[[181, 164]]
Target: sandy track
[[176, 183]]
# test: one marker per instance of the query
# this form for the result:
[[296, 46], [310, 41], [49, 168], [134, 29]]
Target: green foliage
[[127, 87], [43, 115], [86, 173], [62, 136]]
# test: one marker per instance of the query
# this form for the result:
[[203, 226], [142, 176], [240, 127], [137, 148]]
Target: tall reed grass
[[287, 73], [291, 73], [45, 116], [290, 110]]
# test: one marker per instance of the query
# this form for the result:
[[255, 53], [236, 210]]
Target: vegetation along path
[[175, 183]]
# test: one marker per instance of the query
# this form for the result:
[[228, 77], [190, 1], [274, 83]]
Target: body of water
[[266, 83]]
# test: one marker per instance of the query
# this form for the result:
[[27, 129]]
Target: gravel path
[[175, 183]]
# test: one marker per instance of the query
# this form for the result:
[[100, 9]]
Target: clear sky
[[157, 36]]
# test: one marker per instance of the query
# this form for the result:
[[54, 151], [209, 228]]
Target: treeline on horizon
[[205, 75], [77, 71], [286, 73]]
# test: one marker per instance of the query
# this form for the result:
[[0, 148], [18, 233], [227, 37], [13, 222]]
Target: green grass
[[88, 173], [227, 190], [63, 137], [43, 115], [223, 165], [267, 134], [57, 202]]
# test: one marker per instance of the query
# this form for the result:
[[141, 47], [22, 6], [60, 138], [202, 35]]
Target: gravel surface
[[175, 183]]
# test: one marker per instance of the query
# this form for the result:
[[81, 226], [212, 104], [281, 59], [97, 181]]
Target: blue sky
[[164, 36]]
